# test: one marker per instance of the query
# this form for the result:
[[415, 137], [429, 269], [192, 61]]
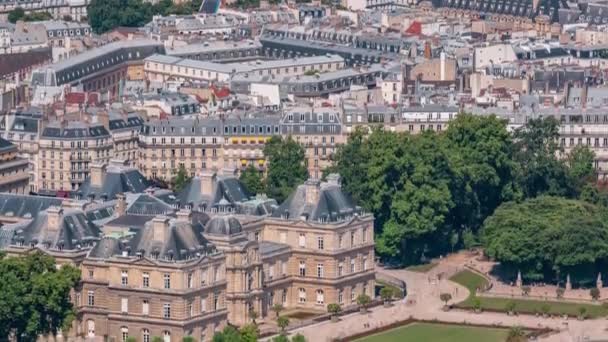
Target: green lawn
[[422, 268], [472, 281], [431, 332]]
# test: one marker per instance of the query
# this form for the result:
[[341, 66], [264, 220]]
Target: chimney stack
[[97, 173], [207, 180], [312, 191], [160, 225], [121, 204], [54, 215], [184, 215]]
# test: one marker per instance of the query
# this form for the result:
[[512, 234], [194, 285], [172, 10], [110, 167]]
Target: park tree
[[516, 334], [277, 308], [283, 323], [35, 296], [16, 15], [334, 309], [181, 179], [539, 170], [229, 334], [286, 167], [252, 180], [580, 168], [298, 338], [249, 333], [547, 236], [387, 294], [482, 167], [445, 298]]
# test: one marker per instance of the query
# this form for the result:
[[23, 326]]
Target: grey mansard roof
[[223, 224], [182, 241], [331, 204], [117, 179], [227, 188], [74, 231], [75, 130], [25, 206]]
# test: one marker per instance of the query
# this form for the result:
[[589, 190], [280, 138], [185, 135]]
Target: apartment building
[[163, 68], [14, 175], [66, 153], [319, 131], [203, 144]]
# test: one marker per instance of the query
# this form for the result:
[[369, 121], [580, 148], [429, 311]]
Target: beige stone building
[[145, 286], [217, 256], [66, 153], [14, 176]]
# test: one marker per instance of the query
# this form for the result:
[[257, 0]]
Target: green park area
[[474, 281], [438, 333]]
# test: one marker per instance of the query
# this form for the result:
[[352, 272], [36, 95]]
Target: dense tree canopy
[[181, 179], [19, 14], [430, 193], [547, 237], [105, 15], [35, 296], [286, 167], [426, 190], [252, 180]]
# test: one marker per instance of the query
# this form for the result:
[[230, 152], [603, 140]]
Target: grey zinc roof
[[268, 248], [100, 51], [147, 205], [182, 241], [116, 180], [332, 205], [223, 224], [74, 231], [25, 206], [227, 188], [211, 47], [74, 130]]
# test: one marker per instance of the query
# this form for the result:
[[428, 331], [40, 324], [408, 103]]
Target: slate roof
[[75, 130], [182, 241], [268, 248], [258, 206], [117, 179], [223, 225], [25, 206], [224, 187], [332, 204], [132, 121], [74, 231]]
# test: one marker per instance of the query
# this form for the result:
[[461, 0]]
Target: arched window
[[320, 297], [91, 328], [145, 334], [166, 336], [124, 333]]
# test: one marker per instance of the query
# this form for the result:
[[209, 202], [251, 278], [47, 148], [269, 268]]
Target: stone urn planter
[[363, 310], [478, 311], [335, 319], [388, 304]]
